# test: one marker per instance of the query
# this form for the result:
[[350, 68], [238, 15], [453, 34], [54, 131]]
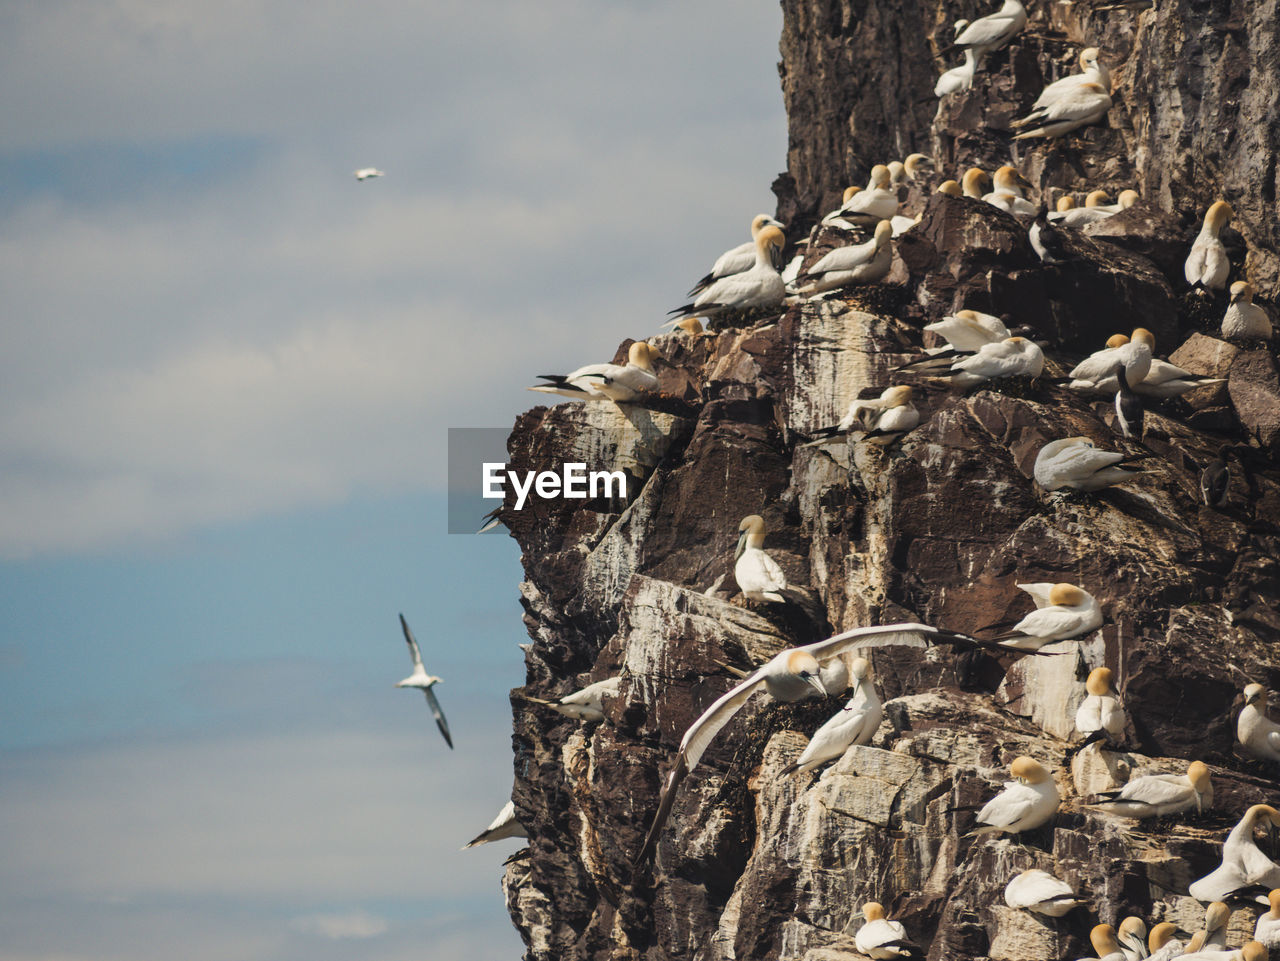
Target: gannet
[[890, 413], [1100, 712], [897, 172], [1096, 374], [914, 162], [881, 938], [760, 286], [994, 30], [1207, 264], [1133, 938], [1027, 802], [1245, 871], [600, 382], [877, 202], [835, 218], [1041, 892], [1245, 319], [855, 723], [740, 258], [789, 676], [1092, 211], [1213, 936], [902, 224], [1083, 104], [1103, 939], [1063, 611], [1155, 795], [1267, 930], [1126, 200], [690, 325], [867, 263], [1046, 240], [1130, 413], [368, 173], [1075, 463], [1161, 944], [758, 575], [1214, 481], [1006, 192], [961, 77], [967, 331], [1013, 357], [950, 188], [1165, 380], [1091, 71], [1257, 733], [424, 681], [973, 182], [586, 704], [504, 825]]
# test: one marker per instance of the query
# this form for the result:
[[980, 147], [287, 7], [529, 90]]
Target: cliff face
[[936, 528]]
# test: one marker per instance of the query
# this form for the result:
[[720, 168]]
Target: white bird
[[879, 201], [951, 188], [504, 825], [1207, 264], [1095, 208], [835, 218], [1257, 733], [739, 258], [1091, 71], [961, 77], [1041, 892], [1083, 104], [881, 938], [1244, 867], [911, 166], [1103, 939], [891, 412], [586, 704], [1245, 319], [1126, 200], [1213, 936], [789, 676], [1155, 795], [758, 575], [1165, 380], [424, 681], [602, 382], [1027, 802], [1073, 462], [994, 30], [974, 182], [1007, 192], [866, 263], [967, 331], [1096, 374], [368, 173], [1100, 712], [1249, 951], [1063, 611], [1133, 938], [855, 723], [1161, 944], [1012, 357], [759, 286], [1267, 930]]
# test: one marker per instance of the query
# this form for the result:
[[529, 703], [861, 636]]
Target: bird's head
[[884, 232], [1256, 694], [750, 534], [873, 911], [805, 666], [1218, 215], [1066, 202], [1198, 775], [1028, 769], [1068, 595], [950, 188], [1099, 681], [1097, 198], [1242, 290]]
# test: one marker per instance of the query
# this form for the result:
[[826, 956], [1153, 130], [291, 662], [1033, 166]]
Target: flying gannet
[[994, 30], [1027, 802], [867, 263], [1257, 733], [1215, 479], [1013, 357], [1100, 712], [1267, 930], [424, 681], [1074, 462], [368, 173], [586, 704], [881, 938], [1207, 265], [601, 382], [1007, 192], [738, 259], [761, 286], [1245, 872], [504, 825], [1096, 374], [1041, 892], [961, 77], [1063, 611], [855, 723], [789, 676], [1245, 319], [1156, 795], [1083, 104], [1130, 414]]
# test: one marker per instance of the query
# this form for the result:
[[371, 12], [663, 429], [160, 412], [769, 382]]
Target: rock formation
[[936, 528]]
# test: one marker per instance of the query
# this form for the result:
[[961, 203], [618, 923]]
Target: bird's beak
[[742, 545], [816, 683]]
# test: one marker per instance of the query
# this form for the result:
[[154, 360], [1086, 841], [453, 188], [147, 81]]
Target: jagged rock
[[1253, 386]]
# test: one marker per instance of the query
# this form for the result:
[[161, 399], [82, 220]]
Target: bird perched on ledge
[[608, 381]]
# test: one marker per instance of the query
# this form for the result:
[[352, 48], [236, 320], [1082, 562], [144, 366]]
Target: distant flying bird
[[368, 173], [421, 679]]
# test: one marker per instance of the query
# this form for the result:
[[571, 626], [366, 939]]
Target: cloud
[[352, 925]]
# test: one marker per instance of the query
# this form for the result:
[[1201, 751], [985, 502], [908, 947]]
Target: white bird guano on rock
[[738, 259], [1026, 803], [504, 825], [586, 704], [1157, 795], [424, 682], [1245, 320], [608, 382], [1257, 733], [760, 286], [1040, 892], [1063, 611], [866, 263], [1207, 265], [1244, 868], [1073, 462], [854, 724]]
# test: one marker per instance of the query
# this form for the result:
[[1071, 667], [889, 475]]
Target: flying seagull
[[421, 679]]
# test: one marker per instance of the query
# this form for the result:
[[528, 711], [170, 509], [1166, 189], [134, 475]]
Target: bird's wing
[[1194, 267], [845, 258], [1273, 741], [735, 261], [757, 571], [1083, 461], [439, 715], [413, 645], [1050, 622], [1096, 366], [504, 825], [692, 745], [1077, 102], [1037, 886], [1156, 789], [1039, 593], [730, 291], [1009, 806], [984, 31]]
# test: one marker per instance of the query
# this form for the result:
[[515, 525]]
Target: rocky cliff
[[936, 528]]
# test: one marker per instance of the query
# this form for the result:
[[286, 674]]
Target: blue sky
[[227, 375]]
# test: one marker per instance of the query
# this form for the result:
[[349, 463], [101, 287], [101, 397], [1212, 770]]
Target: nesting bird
[[1026, 803], [1267, 930], [758, 575], [1074, 463], [1257, 733], [504, 825], [1041, 892], [881, 938], [1161, 945], [1245, 320], [1100, 712], [1157, 795], [1096, 374], [854, 724], [1244, 868], [974, 181], [1013, 357], [604, 382], [1207, 265], [1063, 611], [961, 77], [1091, 71], [1084, 103], [993, 31], [890, 413], [760, 286], [586, 704], [867, 263], [737, 259], [1007, 192]]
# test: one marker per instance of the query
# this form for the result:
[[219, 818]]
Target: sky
[[227, 375]]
